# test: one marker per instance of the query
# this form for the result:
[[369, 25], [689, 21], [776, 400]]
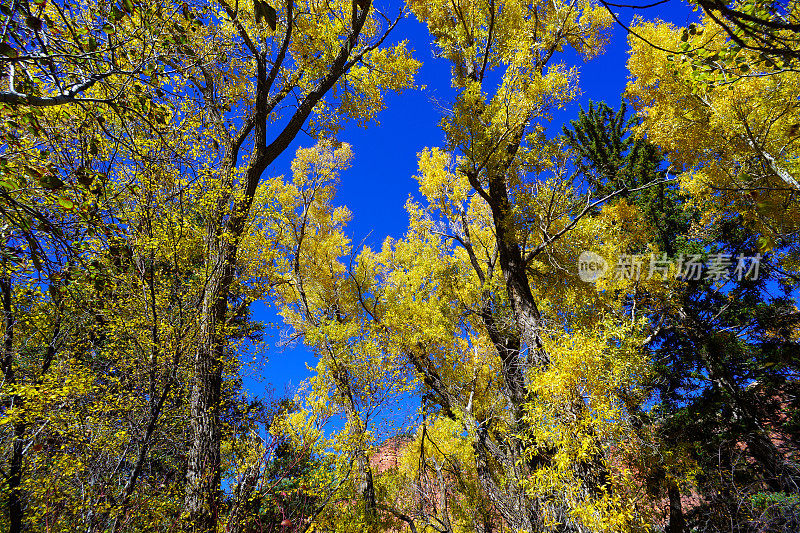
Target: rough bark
[[521, 350], [203, 469], [202, 501], [238, 518]]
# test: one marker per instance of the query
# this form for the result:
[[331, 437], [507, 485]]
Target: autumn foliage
[[143, 217]]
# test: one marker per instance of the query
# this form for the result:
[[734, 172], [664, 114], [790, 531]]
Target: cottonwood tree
[[95, 356], [268, 65], [52, 54], [320, 302], [726, 121], [505, 67], [192, 89], [454, 305], [770, 30]]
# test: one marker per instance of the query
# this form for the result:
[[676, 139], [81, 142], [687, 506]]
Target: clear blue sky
[[380, 180]]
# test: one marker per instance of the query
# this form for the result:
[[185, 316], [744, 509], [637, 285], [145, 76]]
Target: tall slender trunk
[[225, 228], [203, 492], [521, 510], [677, 524], [203, 468], [239, 516], [15, 496]]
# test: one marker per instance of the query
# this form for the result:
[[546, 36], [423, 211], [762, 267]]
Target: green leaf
[[65, 202]]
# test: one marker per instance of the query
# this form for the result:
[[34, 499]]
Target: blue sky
[[381, 178]]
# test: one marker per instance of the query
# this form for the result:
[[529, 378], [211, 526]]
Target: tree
[[321, 303], [737, 142], [306, 59], [67, 116], [96, 361], [138, 228], [733, 141], [54, 54], [498, 150], [172, 74], [721, 370], [770, 28], [454, 306]]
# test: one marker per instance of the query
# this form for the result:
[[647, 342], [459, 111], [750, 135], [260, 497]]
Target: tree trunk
[[241, 508], [203, 468], [521, 511], [677, 524], [366, 486], [226, 227], [15, 497]]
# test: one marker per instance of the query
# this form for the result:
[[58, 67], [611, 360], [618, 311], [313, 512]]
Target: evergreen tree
[[725, 355]]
